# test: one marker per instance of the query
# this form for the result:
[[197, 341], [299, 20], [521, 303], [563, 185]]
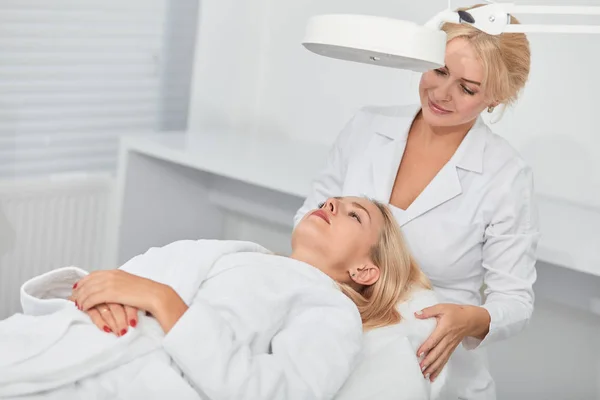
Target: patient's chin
[[310, 236], [312, 228], [302, 233]]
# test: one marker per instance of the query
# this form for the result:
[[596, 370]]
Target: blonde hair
[[399, 274], [506, 58]]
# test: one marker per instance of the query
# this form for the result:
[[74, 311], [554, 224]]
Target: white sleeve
[[509, 257], [310, 357], [47, 293], [329, 182]]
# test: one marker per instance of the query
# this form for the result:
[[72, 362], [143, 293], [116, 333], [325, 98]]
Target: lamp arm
[[495, 18], [556, 10]]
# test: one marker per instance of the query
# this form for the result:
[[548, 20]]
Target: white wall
[[556, 357], [253, 75], [176, 73], [226, 74]]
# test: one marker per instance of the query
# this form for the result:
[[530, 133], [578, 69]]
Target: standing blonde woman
[[462, 195]]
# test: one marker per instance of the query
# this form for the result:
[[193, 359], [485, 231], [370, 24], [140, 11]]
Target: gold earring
[[491, 109]]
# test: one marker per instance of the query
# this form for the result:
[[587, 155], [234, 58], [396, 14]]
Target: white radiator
[[48, 224]]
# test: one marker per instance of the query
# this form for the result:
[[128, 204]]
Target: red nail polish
[[76, 305], [123, 331], [107, 329], [133, 323], [75, 285]]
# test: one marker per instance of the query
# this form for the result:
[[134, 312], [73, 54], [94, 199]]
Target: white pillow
[[389, 368]]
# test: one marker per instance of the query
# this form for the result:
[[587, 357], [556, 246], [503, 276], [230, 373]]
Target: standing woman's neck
[[440, 135]]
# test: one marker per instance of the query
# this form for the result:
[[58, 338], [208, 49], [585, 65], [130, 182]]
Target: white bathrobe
[[259, 326]]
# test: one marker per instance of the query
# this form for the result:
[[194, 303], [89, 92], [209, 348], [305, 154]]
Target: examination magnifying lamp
[[406, 45]]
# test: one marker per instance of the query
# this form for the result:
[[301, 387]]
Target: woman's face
[[452, 95], [342, 232]]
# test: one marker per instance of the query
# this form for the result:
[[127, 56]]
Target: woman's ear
[[365, 275]]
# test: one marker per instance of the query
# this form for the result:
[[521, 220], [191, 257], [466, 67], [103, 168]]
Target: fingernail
[[420, 312], [107, 329], [75, 285], [422, 354], [123, 331], [76, 305], [427, 376], [423, 368], [133, 323]]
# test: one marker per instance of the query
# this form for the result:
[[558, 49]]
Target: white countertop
[[277, 164], [570, 233]]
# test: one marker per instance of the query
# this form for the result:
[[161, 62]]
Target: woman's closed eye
[[464, 88], [355, 216], [468, 91]]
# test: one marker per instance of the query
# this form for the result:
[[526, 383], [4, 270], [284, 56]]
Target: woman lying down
[[222, 320]]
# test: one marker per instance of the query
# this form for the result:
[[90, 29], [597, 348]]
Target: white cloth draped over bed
[[260, 327]]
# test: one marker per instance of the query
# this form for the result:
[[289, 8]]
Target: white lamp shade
[[376, 40]]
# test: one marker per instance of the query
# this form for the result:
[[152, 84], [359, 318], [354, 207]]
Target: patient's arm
[[120, 287], [311, 356], [117, 287], [168, 308]]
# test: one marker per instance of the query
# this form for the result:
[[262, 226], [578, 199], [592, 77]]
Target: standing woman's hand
[[454, 323]]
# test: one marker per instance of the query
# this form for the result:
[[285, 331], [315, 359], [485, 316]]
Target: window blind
[[77, 75]]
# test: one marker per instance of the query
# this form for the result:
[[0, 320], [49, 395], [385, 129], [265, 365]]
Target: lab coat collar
[[468, 156], [396, 125], [445, 185]]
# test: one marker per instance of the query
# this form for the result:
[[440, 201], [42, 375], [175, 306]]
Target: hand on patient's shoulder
[[418, 329]]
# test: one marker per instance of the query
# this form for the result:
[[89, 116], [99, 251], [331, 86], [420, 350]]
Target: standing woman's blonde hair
[[399, 275], [506, 58]]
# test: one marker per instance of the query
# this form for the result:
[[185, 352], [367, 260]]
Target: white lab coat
[[259, 326], [475, 223]]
